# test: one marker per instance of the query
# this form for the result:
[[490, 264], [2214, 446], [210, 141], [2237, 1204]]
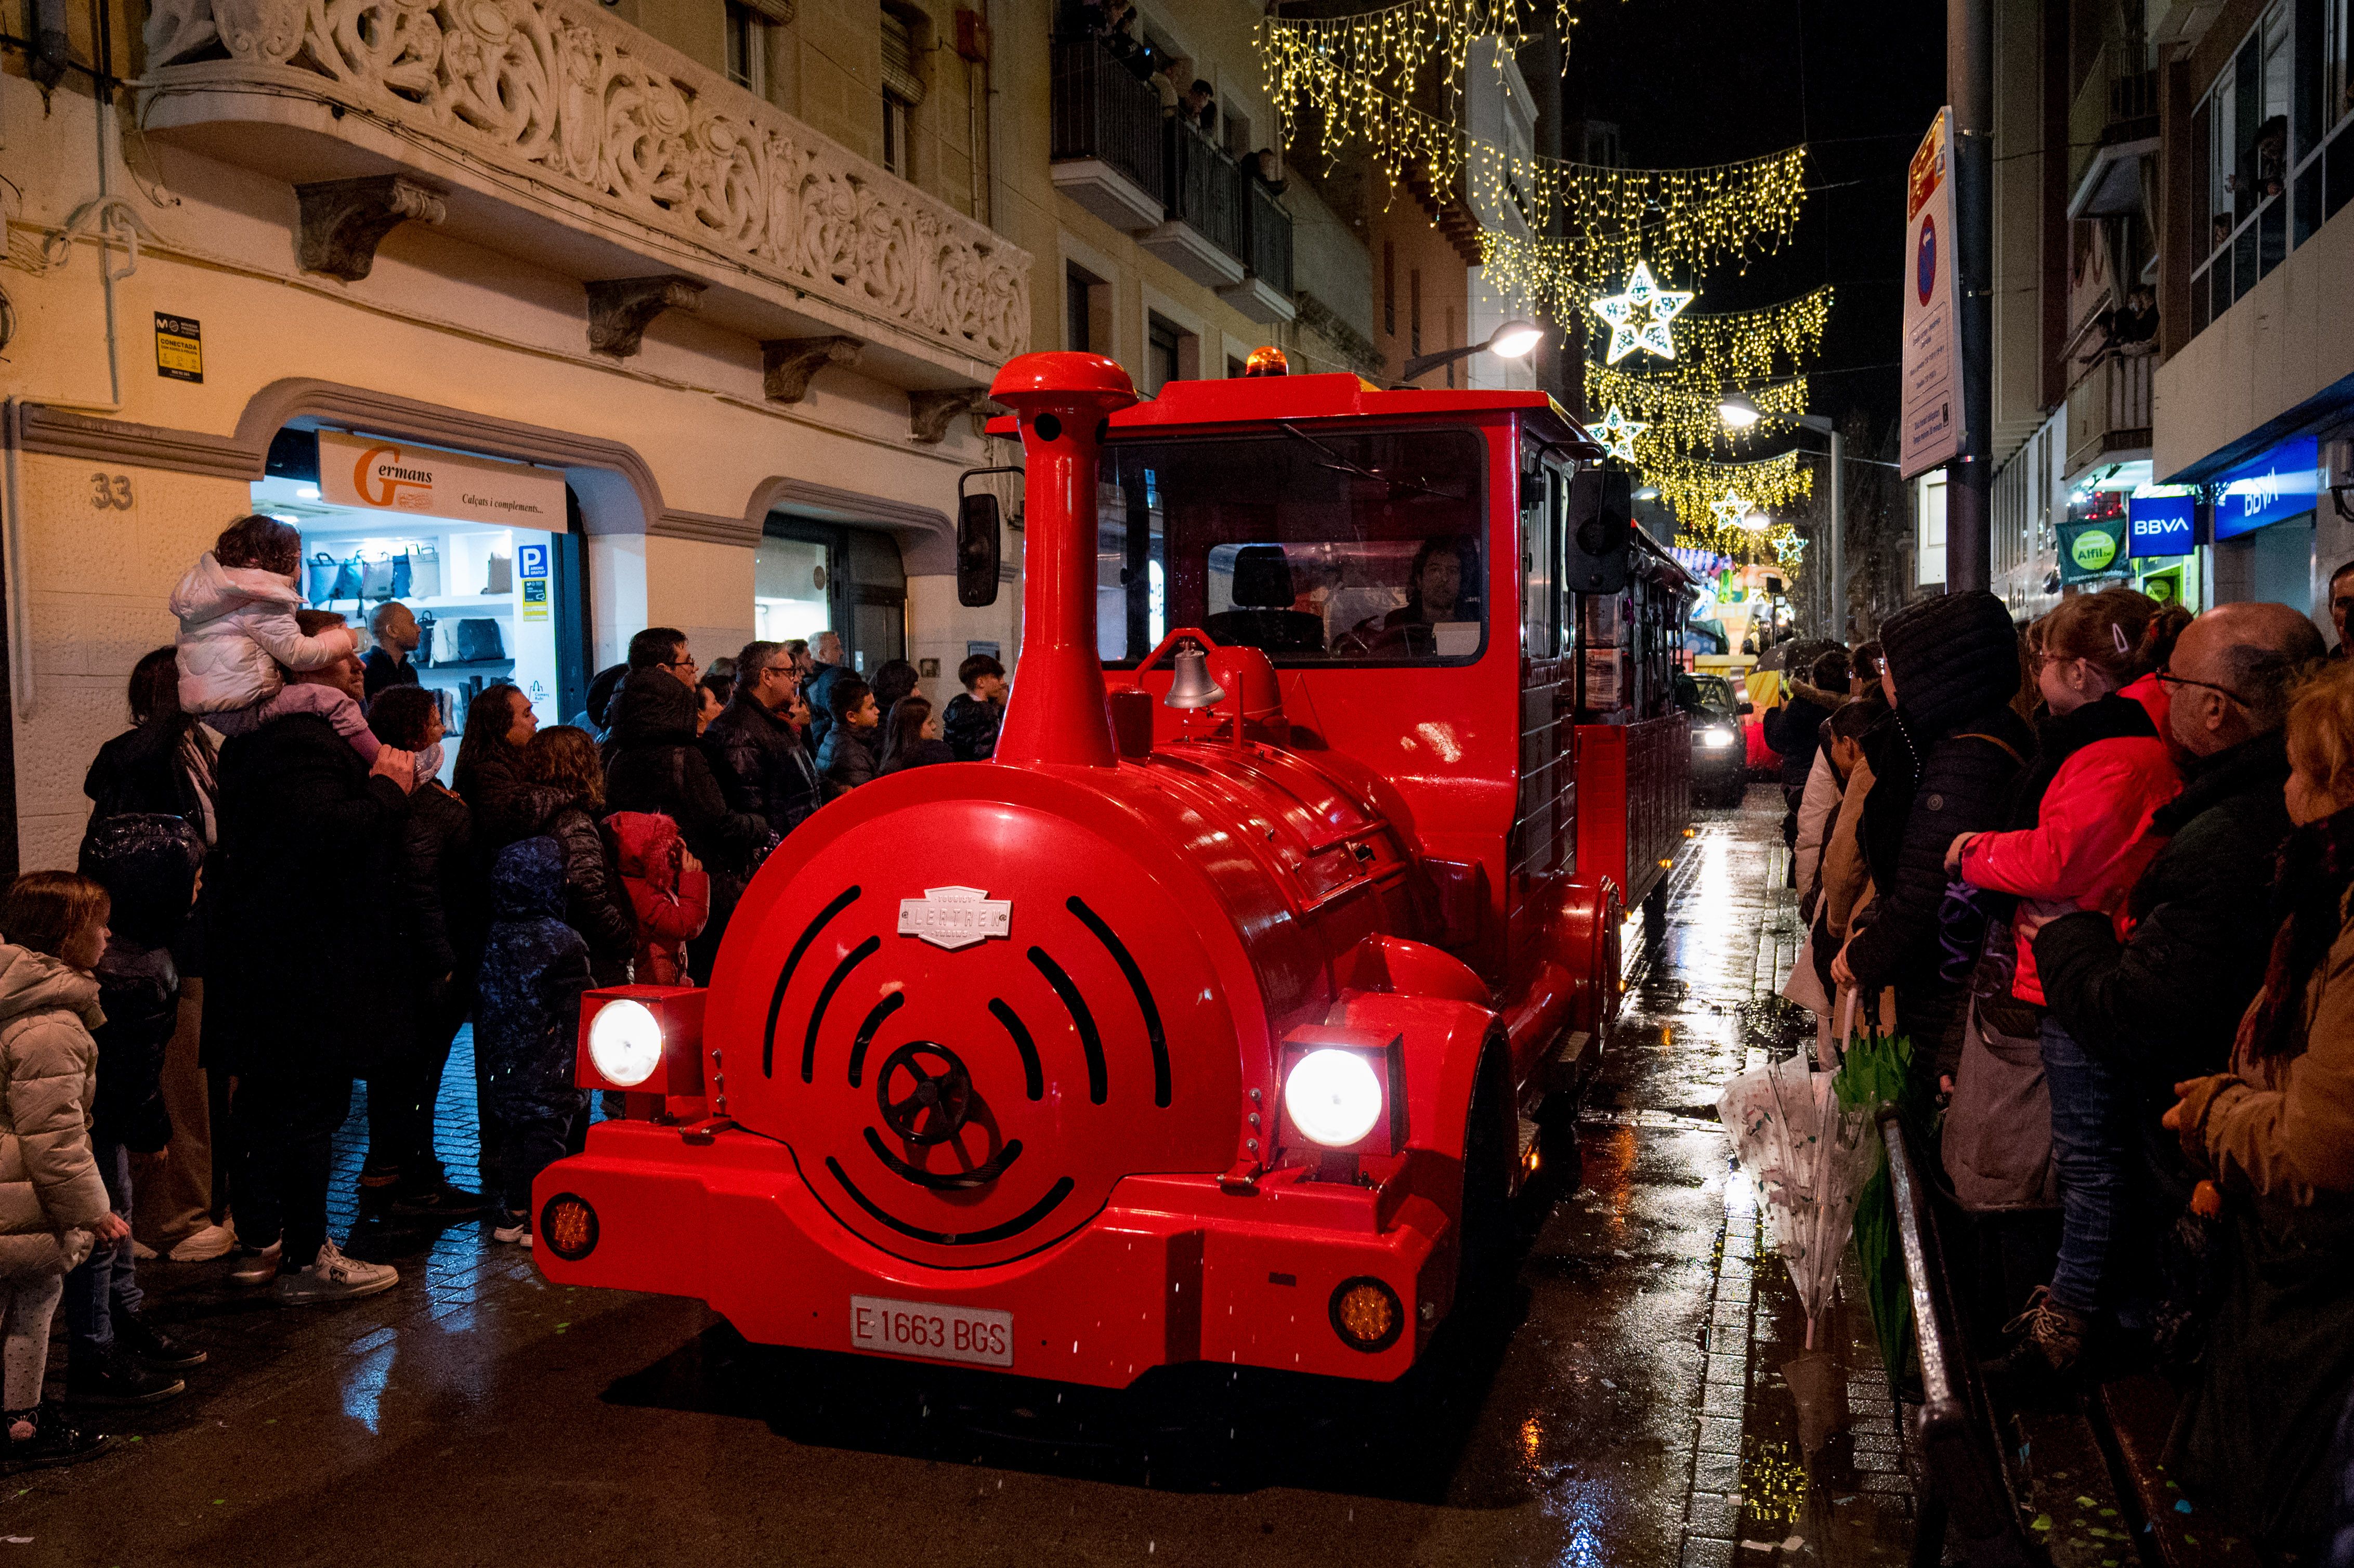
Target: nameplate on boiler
[[956, 917]]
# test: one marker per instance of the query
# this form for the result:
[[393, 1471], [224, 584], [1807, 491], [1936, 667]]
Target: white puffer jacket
[[237, 626], [49, 1187]]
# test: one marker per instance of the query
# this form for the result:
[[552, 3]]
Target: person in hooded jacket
[[443, 907], [670, 892], [1942, 765], [974, 714], [53, 1202], [655, 765], [755, 751], [2080, 838], [565, 771], [527, 1023], [148, 865], [846, 759], [2274, 1134], [237, 633]]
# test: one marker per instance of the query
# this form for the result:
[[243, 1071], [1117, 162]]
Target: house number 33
[[109, 492]]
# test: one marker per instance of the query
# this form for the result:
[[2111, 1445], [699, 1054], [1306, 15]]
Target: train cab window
[[1314, 546]]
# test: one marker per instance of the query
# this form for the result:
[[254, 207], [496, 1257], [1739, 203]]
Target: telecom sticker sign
[[1930, 418], [2282, 484], [2162, 526], [179, 347]]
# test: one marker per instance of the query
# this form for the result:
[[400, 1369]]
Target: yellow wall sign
[[179, 347]]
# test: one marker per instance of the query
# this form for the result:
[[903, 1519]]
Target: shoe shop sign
[[397, 476]]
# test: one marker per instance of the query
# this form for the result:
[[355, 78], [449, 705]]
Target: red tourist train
[[1216, 1018]]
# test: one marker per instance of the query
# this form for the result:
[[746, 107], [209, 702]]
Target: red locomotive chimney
[[1057, 712]]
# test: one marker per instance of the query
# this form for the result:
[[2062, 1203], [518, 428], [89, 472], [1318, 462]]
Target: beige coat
[[2284, 1125], [1846, 880], [49, 1187]]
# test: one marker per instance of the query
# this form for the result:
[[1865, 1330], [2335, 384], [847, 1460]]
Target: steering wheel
[[924, 1093]]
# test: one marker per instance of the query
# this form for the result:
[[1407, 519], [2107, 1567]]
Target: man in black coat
[[2167, 1000], [761, 765], [1942, 764], [654, 765], [312, 981]]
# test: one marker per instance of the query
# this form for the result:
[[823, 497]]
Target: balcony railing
[[2117, 102], [589, 138], [2108, 408], [1101, 111], [1266, 238], [1205, 189]]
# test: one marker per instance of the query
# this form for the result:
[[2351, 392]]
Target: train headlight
[[625, 1042], [1717, 739], [1334, 1097]]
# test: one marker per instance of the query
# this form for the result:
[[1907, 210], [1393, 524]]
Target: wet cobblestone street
[[1631, 1405]]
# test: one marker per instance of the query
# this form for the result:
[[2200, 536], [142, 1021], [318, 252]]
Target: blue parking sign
[[531, 561]]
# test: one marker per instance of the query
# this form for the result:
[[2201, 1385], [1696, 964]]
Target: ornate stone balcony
[[549, 130]]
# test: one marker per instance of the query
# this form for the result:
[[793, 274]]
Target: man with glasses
[[2167, 1000], [760, 759]]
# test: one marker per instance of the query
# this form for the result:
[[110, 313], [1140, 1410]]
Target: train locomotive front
[[1111, 1053]]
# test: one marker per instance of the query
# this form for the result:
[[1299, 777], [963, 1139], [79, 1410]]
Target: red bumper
[[1172, 1270]]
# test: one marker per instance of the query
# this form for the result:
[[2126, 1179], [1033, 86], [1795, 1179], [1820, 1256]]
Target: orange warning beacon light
[[1266, 360]]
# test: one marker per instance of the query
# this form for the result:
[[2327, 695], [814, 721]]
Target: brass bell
[[1191, 686]]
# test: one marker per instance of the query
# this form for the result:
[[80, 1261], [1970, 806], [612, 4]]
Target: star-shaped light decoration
[[1729, 511], [1640, 317], [1617, 433]]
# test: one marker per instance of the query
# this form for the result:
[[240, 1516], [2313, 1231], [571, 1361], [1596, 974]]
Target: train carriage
[[1213, 1020]]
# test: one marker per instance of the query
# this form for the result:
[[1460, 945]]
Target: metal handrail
[[1101, 111]]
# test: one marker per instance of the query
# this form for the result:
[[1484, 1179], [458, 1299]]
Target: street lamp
[[1739, 412], [1513, 340]]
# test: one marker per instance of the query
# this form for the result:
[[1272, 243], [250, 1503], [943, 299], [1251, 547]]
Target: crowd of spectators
[[2099, 872], [190, 1008]]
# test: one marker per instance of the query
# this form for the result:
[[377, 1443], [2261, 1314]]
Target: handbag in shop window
[[404, 576], [423, 657], [377, 579], [479, 640], [501, 579], [347, 581], [320, 580], [424, 571]]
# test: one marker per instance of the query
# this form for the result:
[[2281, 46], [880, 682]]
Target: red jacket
[[2091, 840], [671, 905]]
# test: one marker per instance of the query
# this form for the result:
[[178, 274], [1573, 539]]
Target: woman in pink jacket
[[2101, 768]]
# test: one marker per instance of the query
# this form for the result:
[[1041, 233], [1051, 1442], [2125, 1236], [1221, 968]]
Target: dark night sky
[[1710, 81]]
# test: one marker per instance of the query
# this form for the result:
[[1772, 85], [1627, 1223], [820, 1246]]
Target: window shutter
[[899, 77]]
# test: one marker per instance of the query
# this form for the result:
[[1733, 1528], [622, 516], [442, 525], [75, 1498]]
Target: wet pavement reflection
[[1635, 1401]]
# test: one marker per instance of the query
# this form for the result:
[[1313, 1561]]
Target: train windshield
[[1318, 548]]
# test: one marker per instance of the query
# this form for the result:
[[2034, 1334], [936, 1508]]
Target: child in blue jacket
[[527, 1020]]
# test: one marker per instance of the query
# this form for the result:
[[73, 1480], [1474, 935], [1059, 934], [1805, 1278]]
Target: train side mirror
[[977, 543], [1598, 531]]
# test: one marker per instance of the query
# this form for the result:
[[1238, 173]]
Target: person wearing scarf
[[2275, 1135]]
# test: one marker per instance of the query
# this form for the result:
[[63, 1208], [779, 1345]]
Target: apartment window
[[1078, 303], [2275, 159], [1234, 368], [1414, 311], [1165, 344], [903, 88], [1389, 283], [748, 48]]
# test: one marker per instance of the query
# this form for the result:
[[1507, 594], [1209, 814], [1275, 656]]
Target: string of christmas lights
[[1697, 491], [1611, 218], [1394, 46], [1680, 405]]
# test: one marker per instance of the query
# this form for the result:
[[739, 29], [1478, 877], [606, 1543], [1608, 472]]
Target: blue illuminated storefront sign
[[2277, 485], [2161, 525]]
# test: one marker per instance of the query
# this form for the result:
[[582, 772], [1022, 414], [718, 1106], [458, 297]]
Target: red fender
[[1587, 936]]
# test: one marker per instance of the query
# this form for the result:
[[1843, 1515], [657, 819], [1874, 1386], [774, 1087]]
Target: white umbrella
[[1809, 1159]]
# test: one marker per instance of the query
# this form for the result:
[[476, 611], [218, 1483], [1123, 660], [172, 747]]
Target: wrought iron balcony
[[1106, 136], [562, 136], [1203, 235], [1266, 295], [2108, 408]]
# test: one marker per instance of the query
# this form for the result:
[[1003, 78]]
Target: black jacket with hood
[[595, 905], [147, 863], [656, 766], [1943, 763], [761, 765], [969, 725]]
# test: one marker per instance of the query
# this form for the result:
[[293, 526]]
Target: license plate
[[930, 1329]]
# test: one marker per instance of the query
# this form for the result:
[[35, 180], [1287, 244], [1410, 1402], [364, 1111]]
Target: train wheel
[[1491, 1149]]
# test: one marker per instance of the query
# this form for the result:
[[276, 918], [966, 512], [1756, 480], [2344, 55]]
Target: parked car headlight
[[1334, 1097], [625, 1042], [1717, 739]]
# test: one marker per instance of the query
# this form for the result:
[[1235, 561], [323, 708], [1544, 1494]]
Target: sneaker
[[40, 1438], [256, 1266], [378, 1186], [141, 1251], [435, 1200], [200, 1246], [117, 1378], [512, 1228], [331, 1277], [134, 1333], [2046, 1329]]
